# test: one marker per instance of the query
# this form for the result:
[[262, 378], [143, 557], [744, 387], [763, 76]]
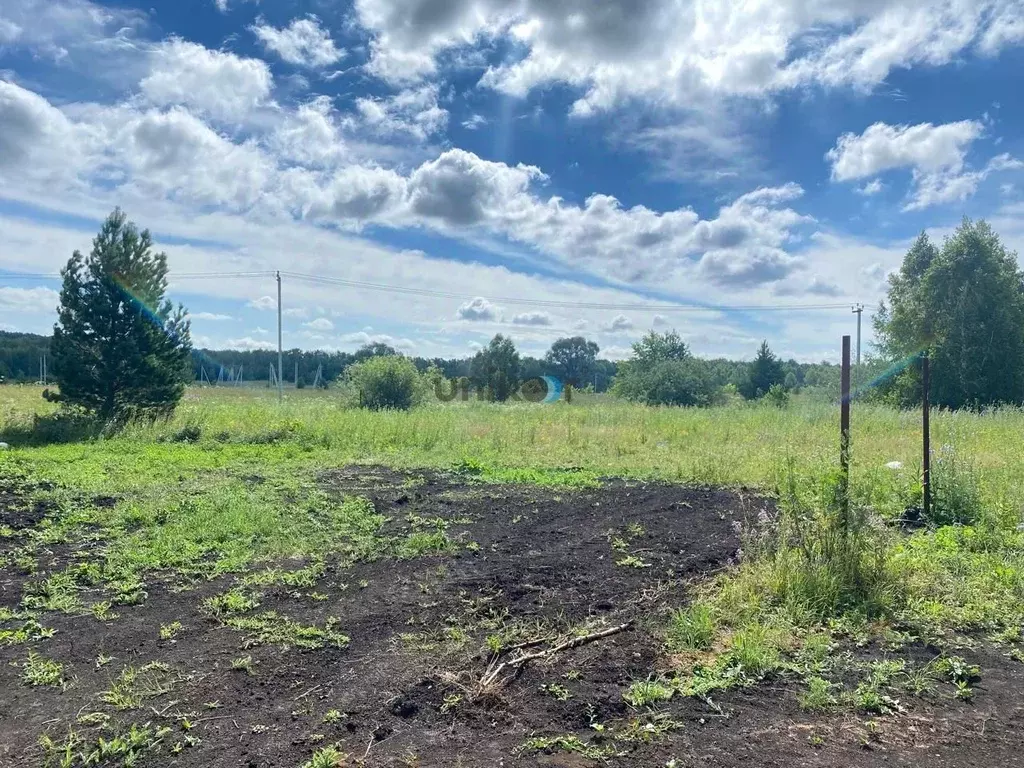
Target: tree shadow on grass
[[53, 429]]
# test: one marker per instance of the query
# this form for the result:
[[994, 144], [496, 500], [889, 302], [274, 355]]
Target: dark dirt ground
[[544, 565]]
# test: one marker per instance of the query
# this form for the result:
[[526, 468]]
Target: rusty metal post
[[927, 458], [844, 436]]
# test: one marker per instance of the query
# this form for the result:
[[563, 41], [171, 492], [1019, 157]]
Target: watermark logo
[[540, 389]]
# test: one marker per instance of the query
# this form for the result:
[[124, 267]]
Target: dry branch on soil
[[516, 665]]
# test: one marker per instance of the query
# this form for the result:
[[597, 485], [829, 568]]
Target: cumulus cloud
[[413, 112], [210, 316], [300, 169], [264, 303], [881, 147], [619, 324], [28, 299], [478, 310], [532, 318], [217, 83], [303, 42], [248, 344], [935, 155], [473, 122], [659, 321], [36, 137], [320, 324], [672, 50], [309, 135]]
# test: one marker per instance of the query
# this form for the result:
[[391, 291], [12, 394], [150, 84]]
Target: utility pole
[[280, 351], [926, 429], [844, 436], [858, 310]]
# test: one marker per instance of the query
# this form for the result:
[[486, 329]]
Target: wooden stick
[[492, 675]]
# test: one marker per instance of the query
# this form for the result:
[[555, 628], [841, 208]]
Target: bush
[[777, 396], [670, 382], [389, 382]]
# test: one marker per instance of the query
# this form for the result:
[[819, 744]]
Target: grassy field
[[215, 430], [232, 493]]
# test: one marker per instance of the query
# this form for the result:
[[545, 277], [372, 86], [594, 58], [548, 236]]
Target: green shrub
[[386, 383], [777, 396]]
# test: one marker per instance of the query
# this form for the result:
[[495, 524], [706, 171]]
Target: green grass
[[231, 485]]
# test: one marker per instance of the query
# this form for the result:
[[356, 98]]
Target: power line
[[412, 291], [556, 304]]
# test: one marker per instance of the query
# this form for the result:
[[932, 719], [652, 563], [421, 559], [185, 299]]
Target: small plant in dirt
[[645, 693], [333, 716], [961, 674], [632, 561], [568, 743], [556, 690], [40, 671], [170, 631], [25, 631], [243, 664], [327, 757], [230, 603], [125, 748], [302, 578], [135, 685], [818, 696], [271, 628]]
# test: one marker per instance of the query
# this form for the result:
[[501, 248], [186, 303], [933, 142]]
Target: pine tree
[[765, 371], [120, 349]]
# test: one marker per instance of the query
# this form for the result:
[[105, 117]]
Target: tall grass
[[738, 444]]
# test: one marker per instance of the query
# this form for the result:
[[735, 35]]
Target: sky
[[428, 173]]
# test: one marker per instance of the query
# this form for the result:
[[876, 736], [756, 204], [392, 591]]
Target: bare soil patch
[[525, 563]]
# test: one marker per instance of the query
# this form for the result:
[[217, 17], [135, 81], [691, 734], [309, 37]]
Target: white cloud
[[217, 83], [222, 5], [35, 300], [619, 324], [263, 303], [478, 310], [248, 344], [473, 122], [669, 51], [36, 137], [210, 316], [532, 318], [925, 147], [659, 321], [309, 135], [935, 154], [303, 42], [873, 187], [414, 112], [320, 324], [71, 32], [175, 154]]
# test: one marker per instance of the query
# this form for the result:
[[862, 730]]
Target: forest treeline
[[20, 355]]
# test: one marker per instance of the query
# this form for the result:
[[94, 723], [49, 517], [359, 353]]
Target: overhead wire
[[521, 301]]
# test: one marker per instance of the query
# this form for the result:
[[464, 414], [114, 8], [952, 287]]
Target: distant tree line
[[20, 354]]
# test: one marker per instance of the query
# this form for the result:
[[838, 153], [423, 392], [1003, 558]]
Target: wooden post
[[927, 458], [844, 436]]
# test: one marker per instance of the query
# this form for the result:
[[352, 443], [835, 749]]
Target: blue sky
[[536, 167]]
